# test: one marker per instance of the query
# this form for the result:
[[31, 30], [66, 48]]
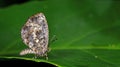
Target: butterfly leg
[[35, 56], [46, 56]]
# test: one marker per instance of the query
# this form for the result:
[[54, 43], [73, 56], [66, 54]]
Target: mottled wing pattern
[[35, 35]]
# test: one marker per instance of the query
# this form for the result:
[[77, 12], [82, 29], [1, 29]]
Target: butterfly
[[35, 34]]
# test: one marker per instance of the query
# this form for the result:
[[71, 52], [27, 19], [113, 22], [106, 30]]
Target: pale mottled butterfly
[[35, 35]]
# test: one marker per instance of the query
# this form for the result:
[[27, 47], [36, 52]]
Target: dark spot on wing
[[34, 19]]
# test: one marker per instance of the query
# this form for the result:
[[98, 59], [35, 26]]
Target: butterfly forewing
[[35, 35]]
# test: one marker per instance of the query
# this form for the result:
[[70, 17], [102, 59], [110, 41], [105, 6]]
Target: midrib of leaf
[[88, 47]]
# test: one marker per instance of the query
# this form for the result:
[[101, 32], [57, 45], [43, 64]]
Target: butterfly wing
[[35, 33]]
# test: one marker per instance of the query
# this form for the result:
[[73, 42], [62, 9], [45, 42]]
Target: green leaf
[[87, 32]]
